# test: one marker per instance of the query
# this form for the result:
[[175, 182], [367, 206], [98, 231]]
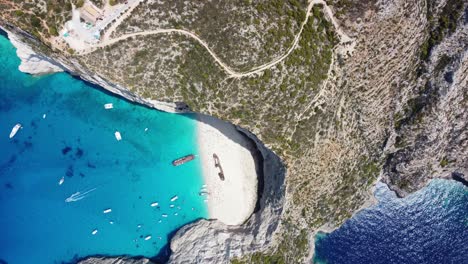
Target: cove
[[428, 226], [67, 134]]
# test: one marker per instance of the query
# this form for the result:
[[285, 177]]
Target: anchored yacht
[[118, 136], [14, 130]]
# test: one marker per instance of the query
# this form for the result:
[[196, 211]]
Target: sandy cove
[[233, 199]]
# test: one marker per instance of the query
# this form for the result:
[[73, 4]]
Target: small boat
[[159, 221], [44, 116], [146, 129], [147, 237], [14, 130], [183, 160], [138, 226], [174, 198], [171, 206], [118, 136], [108, 210], [94, 232], [111, 222], [176, 214], [154, 204], [164, 215], [108, 106], [61, 180], [78, 196]]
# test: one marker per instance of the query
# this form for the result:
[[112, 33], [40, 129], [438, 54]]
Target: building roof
[[89, 13]]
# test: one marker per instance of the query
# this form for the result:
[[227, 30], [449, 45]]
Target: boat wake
[[78, 196]]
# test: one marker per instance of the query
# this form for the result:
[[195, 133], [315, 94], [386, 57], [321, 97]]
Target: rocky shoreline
[[207, 241]]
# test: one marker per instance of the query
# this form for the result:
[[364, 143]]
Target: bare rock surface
[[32, 62]]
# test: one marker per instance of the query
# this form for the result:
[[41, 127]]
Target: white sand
[[233, 200]]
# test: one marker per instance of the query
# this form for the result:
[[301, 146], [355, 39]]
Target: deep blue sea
[[76, 141], [428, 226]]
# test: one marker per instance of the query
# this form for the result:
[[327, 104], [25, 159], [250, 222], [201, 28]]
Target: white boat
[[14, 130], [138, 226], [164, 215], [146, 129], [147, 237], [111, 222], [61, 180], [171, 206], [174, 198], [94, 232], [118, 136], [44, 116], [108, 106], [176, 214], [106, 211], [78, 196], [154, 204]]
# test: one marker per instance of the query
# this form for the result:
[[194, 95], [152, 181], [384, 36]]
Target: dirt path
[[231, 73], [119, 20]]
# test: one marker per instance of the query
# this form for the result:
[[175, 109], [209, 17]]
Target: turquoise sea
[[76, 141], [428, 226]]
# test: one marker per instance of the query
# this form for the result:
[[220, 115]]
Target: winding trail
[[230, 72], [119, 20]]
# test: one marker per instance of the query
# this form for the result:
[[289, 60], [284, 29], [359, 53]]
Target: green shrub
[[53, 30], [35, 22], [79, 3], [444, 162]]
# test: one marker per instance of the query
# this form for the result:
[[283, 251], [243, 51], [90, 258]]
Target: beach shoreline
[[232, 200]]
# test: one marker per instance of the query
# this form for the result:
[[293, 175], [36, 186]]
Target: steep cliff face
[[391, 102], [408, 78], [430, 122]]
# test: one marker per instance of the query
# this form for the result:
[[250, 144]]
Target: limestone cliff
[[390, 101]]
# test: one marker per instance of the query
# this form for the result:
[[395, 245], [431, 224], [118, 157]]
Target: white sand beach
[[233, 200]]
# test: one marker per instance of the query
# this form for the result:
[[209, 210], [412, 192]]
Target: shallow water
[[429, 226], [76, 141]]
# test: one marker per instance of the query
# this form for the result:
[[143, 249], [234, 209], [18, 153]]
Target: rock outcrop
[[430, 137], [32, 62]]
